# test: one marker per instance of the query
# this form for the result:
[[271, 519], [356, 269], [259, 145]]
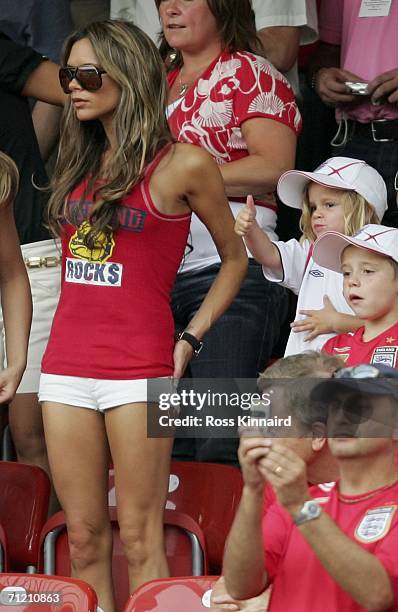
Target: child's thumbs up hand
[[246, 218]]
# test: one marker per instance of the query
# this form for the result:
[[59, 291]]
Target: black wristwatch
[[196, 344]]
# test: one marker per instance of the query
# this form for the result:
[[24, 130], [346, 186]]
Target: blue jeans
[[238, 345], [384, 157]]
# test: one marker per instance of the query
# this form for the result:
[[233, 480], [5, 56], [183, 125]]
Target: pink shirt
[[369, 47]]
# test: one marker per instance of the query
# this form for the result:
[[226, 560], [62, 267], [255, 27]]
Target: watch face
[[313, 509]]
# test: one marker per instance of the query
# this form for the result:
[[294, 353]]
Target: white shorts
[[45, 285], [94, 393]]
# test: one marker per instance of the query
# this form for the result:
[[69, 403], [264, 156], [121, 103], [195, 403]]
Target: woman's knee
[[89, 543], [26, 426], [141, 539], [29, 444]]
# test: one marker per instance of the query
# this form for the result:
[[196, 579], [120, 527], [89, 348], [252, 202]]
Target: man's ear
[[318, 435]]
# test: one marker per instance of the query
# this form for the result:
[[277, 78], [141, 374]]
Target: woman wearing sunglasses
[[122, 197]]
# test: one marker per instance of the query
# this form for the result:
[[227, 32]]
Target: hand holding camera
[[384, 88], [330, 84]]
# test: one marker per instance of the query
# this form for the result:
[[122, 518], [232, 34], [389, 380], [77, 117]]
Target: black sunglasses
[[89, 77]]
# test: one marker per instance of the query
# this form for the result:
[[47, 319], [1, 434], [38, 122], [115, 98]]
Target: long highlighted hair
[[357, 213], [131, 59], [9, 180]]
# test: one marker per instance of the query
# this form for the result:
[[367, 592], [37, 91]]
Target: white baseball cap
[[376, 238], [341, 173]]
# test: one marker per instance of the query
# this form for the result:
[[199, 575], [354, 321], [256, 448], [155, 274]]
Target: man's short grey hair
[[296, 375]]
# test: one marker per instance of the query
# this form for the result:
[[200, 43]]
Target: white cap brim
[[329, 248], [292, 184]]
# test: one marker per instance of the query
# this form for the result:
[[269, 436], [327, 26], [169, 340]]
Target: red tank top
[[114, 319]]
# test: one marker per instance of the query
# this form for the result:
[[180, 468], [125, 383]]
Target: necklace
[[183, 87]]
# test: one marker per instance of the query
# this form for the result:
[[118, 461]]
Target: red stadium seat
[[25, 492], [37, 593], [3, 551], [185, 549], [210, 494], [173, 595]]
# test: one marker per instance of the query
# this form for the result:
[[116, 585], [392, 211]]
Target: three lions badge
[[375, 524]]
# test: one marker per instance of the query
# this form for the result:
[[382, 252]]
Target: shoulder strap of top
[[151, 167]]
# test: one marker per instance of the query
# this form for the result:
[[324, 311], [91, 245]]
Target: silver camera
[[357, 88]]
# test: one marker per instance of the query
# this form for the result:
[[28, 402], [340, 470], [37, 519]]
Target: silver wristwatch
[[310, 510]]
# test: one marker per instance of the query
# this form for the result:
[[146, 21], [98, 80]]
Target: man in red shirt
[[288, 382], [334, 554]]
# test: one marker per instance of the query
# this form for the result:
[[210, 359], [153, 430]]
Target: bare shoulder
[[196, 169], [183, 158], [191, 157], [186, 175]]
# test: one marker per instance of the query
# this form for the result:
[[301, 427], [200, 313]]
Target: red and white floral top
[[235, 87]]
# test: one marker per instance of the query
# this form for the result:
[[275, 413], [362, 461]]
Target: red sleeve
[[261, 91], [276, 529], [277, 526], [329, 346], [269, 497], [340, 346]]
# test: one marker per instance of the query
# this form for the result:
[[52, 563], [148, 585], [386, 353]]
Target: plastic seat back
[[25, 492], [210, 494], [184, 541], [173, 595], [38, 593], [207, 492]]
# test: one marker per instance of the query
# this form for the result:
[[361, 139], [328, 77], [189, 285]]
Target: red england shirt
[[354, 350], [299, 581]]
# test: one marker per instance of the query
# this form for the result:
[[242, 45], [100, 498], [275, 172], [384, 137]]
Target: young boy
[[369, 264]]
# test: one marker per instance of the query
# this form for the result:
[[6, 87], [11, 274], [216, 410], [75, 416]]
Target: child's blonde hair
[[9, 179], [357, 213]]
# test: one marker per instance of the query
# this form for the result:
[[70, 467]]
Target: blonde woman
[[122, 198], [16, 301]]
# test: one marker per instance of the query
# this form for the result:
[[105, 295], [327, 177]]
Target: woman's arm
[[272, 150], [244, 566], [221, 600], [205, 194], [281, 45], [16, 304]]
